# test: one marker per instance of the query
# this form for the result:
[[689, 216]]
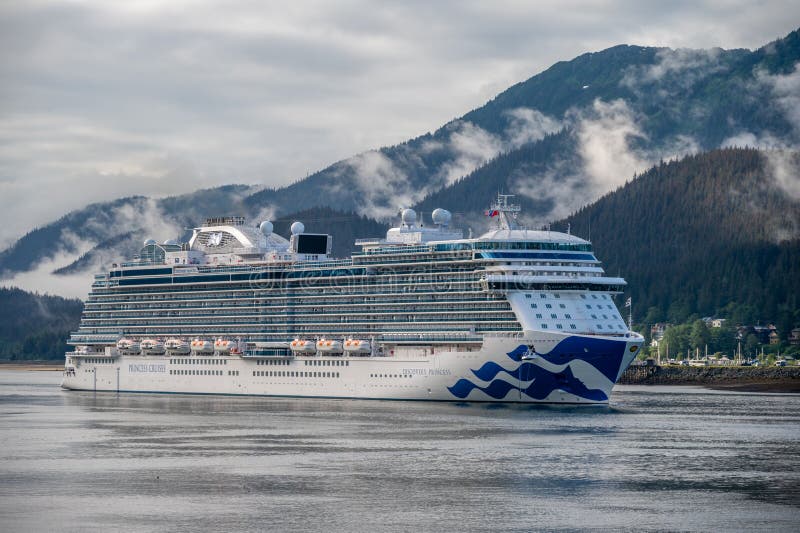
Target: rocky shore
[[756, 379]]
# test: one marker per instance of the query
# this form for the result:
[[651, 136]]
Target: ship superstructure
[[424, 313]]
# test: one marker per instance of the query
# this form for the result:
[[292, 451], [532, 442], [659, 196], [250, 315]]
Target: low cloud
[[471, 147], [611, 148], [785, 89], [606, 135], [386, 186], [674, 70], [784, 168], [528, 125], [383, 187], [42, 280]]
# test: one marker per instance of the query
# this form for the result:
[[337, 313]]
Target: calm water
[[664, 458]]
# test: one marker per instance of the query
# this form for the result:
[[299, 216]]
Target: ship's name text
[[139, 368], [427, 371]]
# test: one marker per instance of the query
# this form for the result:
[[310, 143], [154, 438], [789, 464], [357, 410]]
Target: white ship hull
[[560, 369]]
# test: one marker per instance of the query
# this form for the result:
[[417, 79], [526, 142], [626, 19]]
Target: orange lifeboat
[[223, 346], [176, 347], [302, 346], [357, 346], [128, 347], [152, 347], [202, 347], [329, 346]]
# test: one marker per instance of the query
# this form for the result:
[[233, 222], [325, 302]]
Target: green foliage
[[699, 336], [710, 234], [34, 326]]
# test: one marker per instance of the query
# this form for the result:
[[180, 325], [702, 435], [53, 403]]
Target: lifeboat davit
[[177, 347], [329, 346], [357, 346], [128, 346], [152, 347], [201, 346], [224, 346], [302, 346]]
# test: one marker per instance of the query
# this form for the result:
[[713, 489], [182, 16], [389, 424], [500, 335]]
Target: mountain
[[34, 326], [717, 233], [560, 139], [713, 233]]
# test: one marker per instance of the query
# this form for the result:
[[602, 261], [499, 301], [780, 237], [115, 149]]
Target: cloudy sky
[[103, 99]]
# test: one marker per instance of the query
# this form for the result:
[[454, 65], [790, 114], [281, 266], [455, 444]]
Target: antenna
[[506, 212]]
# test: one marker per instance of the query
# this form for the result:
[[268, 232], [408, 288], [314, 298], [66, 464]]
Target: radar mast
[[506, 212]]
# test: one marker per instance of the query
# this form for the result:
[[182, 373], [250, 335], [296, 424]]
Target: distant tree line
[[34, 326]]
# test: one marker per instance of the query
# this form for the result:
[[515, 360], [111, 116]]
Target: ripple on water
[[657, 458]]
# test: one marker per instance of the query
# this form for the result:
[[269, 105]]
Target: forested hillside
[[34, 326], [710, 234]]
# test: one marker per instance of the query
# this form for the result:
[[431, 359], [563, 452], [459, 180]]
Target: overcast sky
[[102, 99]]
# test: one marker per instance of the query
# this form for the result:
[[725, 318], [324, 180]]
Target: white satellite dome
[[441, 216], [298, 228], [266, 228], [170, 242], [148, 242], [409, 217]]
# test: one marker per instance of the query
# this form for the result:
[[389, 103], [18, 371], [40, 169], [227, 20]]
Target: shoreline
[[743, 379], [32, 366]]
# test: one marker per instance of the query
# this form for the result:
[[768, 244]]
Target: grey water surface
[[658, 458]]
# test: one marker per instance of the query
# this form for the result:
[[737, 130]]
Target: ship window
[[562, 306], [594, 316], [567, 315], [534, 306], [548, 306], [572, 326], [583, 296], [605, 316], [594, 296], [542, 295], [609, 307], [556, 296], [538, 315], [553, 315], [599, 326], [544, 326], [588, 306], [559, 326], [527, 296]]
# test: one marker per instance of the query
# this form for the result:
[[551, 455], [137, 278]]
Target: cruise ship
[[514, 315]]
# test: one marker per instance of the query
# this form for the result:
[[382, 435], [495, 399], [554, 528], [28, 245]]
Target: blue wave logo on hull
[[604, 355], [544, 383]]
